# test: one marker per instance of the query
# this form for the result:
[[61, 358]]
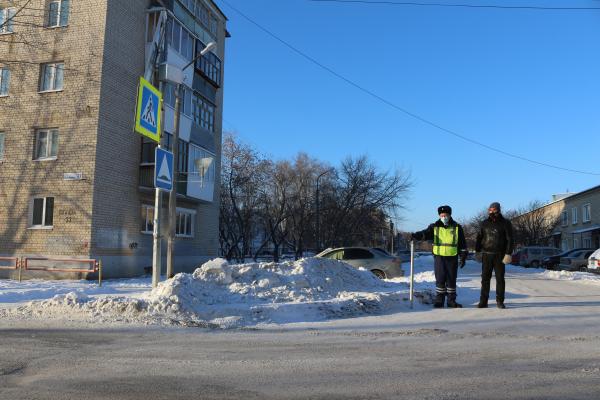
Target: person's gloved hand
[[462, 262], [478, 257], [507, 259]]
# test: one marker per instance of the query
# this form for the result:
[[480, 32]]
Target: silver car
[[379, 262]]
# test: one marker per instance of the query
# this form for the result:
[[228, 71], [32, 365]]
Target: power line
[[488, 6], [398, 108]]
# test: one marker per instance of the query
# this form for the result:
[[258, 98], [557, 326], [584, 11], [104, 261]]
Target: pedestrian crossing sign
[[163, 169], [147, 116]]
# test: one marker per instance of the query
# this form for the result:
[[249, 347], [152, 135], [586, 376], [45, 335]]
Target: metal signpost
[[412, 272], [148, 123]]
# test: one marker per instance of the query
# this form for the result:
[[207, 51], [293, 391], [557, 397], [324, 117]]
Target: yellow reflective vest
[[445, 241]]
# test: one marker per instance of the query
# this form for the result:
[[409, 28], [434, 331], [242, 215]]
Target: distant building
[[75, 180], [578, 217]]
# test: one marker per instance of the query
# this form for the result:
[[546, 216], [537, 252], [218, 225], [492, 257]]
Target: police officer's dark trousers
[[446, 271], [492, 262]]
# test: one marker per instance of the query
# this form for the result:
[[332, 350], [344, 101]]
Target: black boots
[[453, 304], [500, 305], [482, 304]]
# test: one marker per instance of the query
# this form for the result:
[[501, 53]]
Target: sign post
[[412, 272], [148, 123]]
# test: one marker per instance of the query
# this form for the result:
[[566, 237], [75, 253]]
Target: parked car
[[594, 262], [551, 262], [531, 256], [516, 257], [577, 261], [383, 265]]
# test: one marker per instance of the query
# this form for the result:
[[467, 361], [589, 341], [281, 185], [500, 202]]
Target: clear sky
[[524, 81]]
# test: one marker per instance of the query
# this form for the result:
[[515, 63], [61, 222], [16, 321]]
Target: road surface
[[546, 345]]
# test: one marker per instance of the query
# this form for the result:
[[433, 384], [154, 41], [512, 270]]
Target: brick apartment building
[[75, 180]]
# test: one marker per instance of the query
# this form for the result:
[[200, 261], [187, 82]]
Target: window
[[564, 245], [357, 254], [4, 81], [184, 224], [46, 144], [58, 13], [587, 213], [587, 243], [42, 212], [147, 219], [52, 77], [1, 146], [203, 14], [148, 151], [564, 216], [180, 39], [209, 64], [574, 215], [206, 172], [575, 245], [6, 20], [186, 101], [204, 113], [213, 26]]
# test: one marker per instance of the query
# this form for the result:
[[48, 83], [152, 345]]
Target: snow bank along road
[[546, 345]]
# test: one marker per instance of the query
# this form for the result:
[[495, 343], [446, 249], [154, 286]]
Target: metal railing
[[52, 265]]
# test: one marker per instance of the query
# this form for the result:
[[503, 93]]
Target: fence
[[13, 263], [52, 265]]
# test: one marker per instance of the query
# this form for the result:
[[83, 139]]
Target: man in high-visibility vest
[[448, 244]]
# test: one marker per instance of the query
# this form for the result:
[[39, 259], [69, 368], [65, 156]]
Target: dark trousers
[[492, 262], [446, 271]]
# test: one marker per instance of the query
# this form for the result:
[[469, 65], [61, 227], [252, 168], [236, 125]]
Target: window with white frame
[[58, 13], [575, 243], [564, 245], [587, 243], [6, 20], [184, 224], [180, 39], [42, 212], [46, 144], [51, 77], [564, 217], [1, 146], [147, 219], [574, 215], [4, 81], [587, 213], [203, 165]]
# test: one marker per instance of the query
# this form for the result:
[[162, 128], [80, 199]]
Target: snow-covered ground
[[219, 295], [247, 295]]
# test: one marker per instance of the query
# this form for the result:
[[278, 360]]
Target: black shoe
[[500, 305], [453, 304], [482, 305], [437, 304]]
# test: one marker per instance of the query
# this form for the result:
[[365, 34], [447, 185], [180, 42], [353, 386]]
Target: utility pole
[[173, 194], [156, 243], [319, 210]]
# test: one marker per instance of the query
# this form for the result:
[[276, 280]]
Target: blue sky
[[527, 82]]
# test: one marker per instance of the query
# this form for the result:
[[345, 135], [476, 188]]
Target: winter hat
[[495, 205], [445, 209]]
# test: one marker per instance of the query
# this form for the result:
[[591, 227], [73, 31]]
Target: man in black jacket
[[495, 242], [448, 242]]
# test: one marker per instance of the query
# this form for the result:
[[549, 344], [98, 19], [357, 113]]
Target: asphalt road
[[546, 345]]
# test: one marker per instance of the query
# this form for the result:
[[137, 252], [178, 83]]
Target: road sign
[[163, 170], [147, 116]]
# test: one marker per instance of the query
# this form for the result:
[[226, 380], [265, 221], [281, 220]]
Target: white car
[[378, 261], [594, 262]]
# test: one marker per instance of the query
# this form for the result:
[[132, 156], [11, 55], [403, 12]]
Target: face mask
[[445, 220]]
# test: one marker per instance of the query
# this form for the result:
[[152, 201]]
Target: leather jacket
[[495, 236]]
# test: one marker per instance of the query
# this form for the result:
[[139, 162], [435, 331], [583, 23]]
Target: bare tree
[[533, 224]]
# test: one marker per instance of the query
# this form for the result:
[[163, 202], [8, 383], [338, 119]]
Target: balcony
[[147, 179]]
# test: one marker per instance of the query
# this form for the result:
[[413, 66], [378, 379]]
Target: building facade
[[575, 217], [75, 180]]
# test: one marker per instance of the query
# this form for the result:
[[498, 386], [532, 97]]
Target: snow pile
[[220, 294], [572, 276]]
